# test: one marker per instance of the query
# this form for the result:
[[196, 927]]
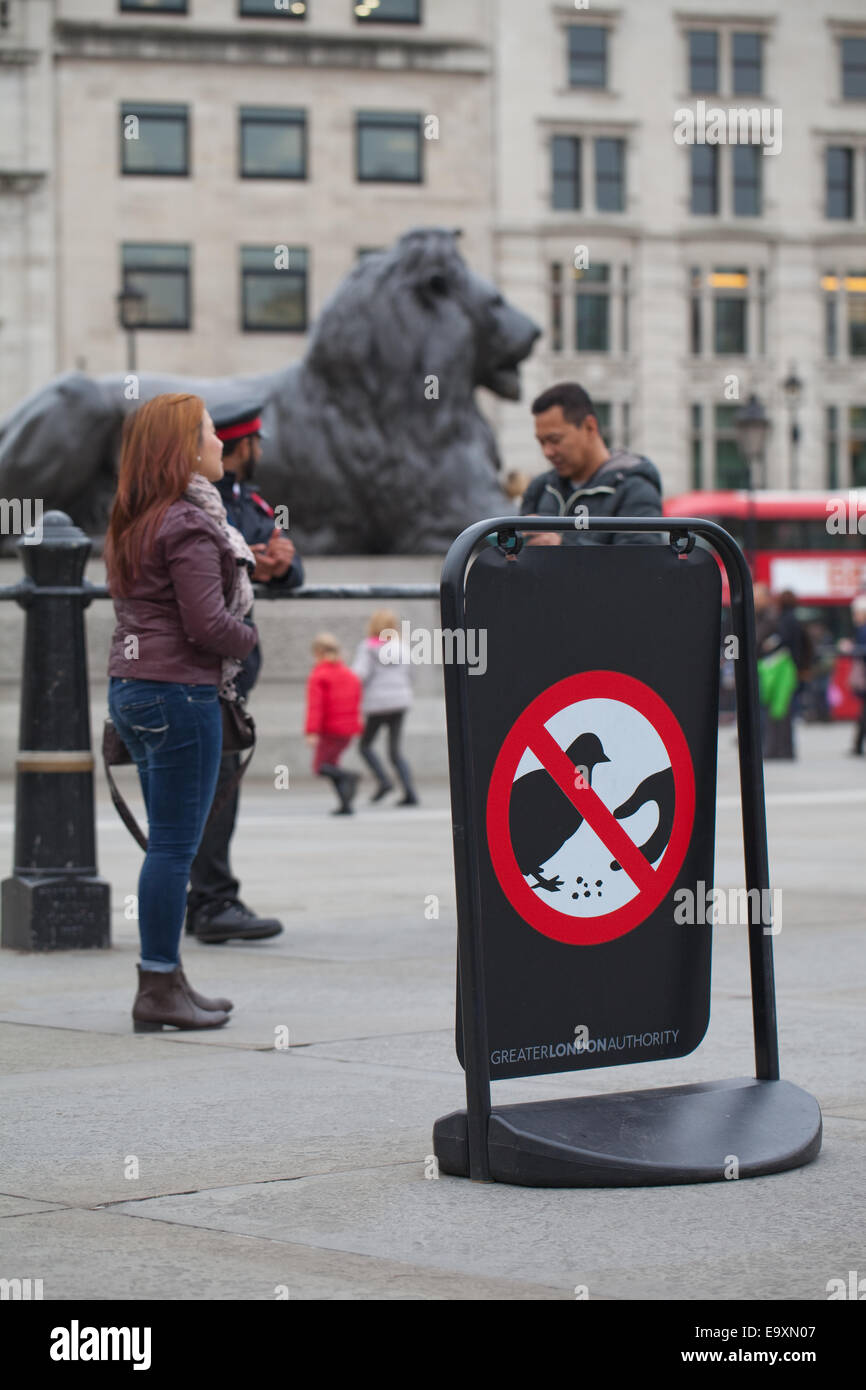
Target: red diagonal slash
[[608, 829]]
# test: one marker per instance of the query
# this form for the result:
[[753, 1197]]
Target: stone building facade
[[180, 145], [672, 277]]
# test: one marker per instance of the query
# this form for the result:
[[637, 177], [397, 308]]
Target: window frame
[[577, 143], [702, 320], [761, 37], [621, 177], [370, 118], [185, 271], [241, 13], [693, 33], [756, 183], [571, 31], [844, 67], [850, 186], [261, 274], [248, 113], [694, 183], [376, 18], [150, 110], [163, 7]]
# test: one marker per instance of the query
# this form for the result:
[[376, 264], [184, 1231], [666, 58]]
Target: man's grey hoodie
[[625, 485]]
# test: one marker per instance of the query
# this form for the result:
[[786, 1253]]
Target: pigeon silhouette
[[542, 818], [659, 787]]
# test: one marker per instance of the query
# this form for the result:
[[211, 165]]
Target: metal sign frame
[[466, 814]]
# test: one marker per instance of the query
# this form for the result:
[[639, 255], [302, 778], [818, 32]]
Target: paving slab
[[305, 1168], [685, 1242], [105, 1254]]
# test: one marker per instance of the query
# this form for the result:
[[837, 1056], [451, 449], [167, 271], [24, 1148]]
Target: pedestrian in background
[[784, 658], [333, 718], [181, 589], [382, 663], [857, 678]]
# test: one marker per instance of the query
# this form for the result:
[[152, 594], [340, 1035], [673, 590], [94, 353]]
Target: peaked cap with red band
[[237, 419]]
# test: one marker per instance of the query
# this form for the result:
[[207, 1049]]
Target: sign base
[[738, 1128]]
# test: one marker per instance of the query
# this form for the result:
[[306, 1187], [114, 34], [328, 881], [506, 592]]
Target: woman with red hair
[[179, 578]]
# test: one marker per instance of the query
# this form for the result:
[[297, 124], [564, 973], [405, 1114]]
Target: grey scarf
[[203, 494]]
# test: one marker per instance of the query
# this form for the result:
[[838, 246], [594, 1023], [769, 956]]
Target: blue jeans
[[174, 734]]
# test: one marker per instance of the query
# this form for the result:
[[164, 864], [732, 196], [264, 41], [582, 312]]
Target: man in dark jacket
[[215, 912], [586, 479]]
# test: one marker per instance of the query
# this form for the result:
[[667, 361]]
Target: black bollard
[[55, 899]]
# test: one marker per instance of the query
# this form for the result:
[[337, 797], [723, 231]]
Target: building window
[[161, 272], [389, 12], [609, 175], [844, 313], [762, 313], [730, 326], [272, 9], [747, 63], [857, 445], [726, 294], [855, 285], [592, 309], [599, 295], [830, 286], [747, 180], [155, 6], [853, 69], [273, 142], [705, 179], [601, 410], [389, 147], [365, 252], [624, 307], [703, 60], [274, 289], [729, 335], [695, 316], [839, 164], [832, 446], [697, 447], [587, 55], [566, 172], [154, 140], [731, 468], [557, 335]]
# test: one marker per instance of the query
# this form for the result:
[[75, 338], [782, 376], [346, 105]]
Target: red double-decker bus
[[813, 543]]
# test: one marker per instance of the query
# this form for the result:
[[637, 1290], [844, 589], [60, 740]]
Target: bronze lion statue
[[374, 440]]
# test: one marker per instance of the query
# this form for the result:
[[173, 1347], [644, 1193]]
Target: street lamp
[[793, 389], [131, 306], [751, 424]]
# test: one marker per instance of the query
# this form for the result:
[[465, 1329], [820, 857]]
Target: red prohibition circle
[[590, 685]]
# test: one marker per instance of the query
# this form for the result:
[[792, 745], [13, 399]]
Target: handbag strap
[[132, 824], [123, 810]]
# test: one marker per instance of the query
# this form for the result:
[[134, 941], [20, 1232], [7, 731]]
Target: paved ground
[[218, 1166]]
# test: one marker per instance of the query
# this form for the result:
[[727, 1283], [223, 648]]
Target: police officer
[[215, 912]]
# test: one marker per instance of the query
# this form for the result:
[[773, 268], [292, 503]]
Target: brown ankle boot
[[164, 1000], [202, 1001]]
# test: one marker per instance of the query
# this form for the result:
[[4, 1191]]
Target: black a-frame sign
[[583, 778]]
